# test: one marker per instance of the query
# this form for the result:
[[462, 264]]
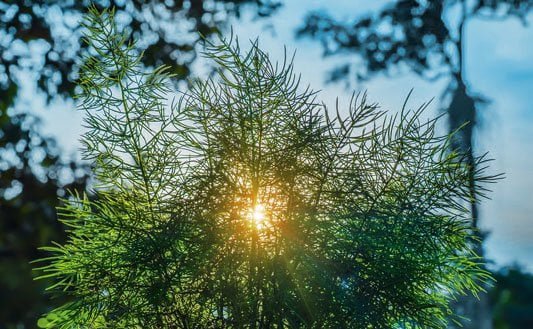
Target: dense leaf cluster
[[40, 44], [363, 216]]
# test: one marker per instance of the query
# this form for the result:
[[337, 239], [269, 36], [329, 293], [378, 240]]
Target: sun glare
[[257, 216]]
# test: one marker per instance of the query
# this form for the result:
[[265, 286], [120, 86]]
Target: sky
[[499, 65]]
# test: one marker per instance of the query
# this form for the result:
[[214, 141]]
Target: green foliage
[[42, 38], [246, 204], [427, 38]]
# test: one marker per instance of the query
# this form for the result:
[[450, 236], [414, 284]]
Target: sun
[[257, 216]]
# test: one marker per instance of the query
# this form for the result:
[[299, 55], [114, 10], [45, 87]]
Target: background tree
[[43, 37], [428, 38], [167, 32], [245, 204], [512, 299], [32, 176]]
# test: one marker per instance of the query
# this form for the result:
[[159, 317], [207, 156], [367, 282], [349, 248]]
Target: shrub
[[245, 203]]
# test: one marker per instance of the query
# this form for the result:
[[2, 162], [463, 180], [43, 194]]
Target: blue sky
[[499, 65]]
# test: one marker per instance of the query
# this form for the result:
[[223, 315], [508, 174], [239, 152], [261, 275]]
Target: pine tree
[[246, 203]]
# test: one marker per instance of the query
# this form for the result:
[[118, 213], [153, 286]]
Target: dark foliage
[[512, 299]]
